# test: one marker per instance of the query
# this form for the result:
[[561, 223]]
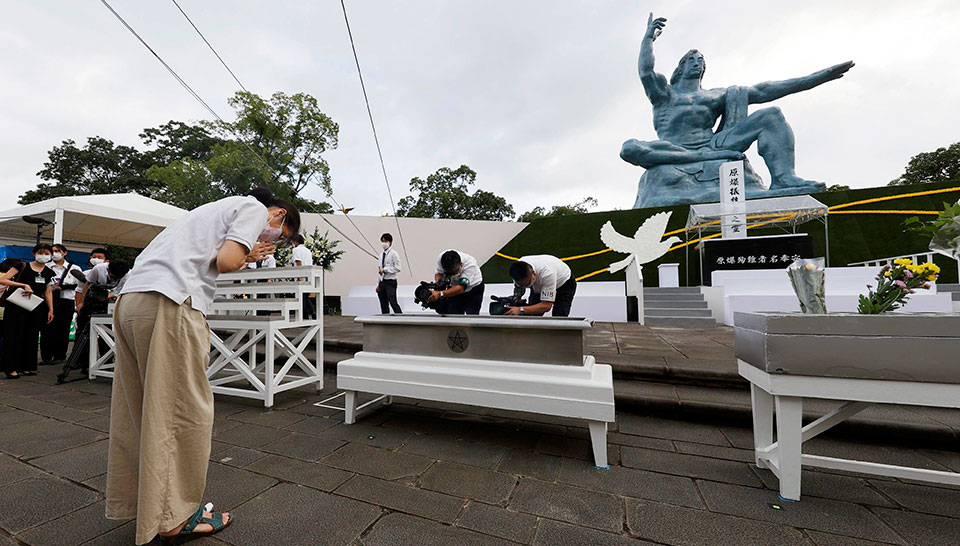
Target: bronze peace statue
[[683, 165]]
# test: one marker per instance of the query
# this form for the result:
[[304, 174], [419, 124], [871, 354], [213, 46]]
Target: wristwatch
[[522, 312]]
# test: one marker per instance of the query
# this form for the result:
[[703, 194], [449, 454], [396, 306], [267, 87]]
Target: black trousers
[[20, 331], [387, 292], [564, 300], [55, 337], [309, 307], [468, 303]]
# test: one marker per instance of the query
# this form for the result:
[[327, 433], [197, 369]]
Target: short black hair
[[60, 247], [100, 250], [266, 197], [118, 268], [519, 270], [42, 246], [10, 263], [386, 237], [450, 260], [298, 239]]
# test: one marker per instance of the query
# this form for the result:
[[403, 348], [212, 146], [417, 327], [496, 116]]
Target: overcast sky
[[536, 96]]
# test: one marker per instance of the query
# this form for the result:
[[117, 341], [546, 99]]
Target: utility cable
[[376, 140], [217, 116]]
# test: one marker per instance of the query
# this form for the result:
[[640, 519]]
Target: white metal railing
[[919, 257]]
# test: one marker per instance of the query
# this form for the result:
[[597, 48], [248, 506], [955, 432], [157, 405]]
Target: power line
[[376, 140], [224, 63], [214, 113]]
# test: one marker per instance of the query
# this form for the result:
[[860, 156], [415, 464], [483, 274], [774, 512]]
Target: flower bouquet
[[807, 277], [895, 283]]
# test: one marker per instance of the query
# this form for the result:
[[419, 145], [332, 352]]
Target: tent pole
[[58, 227], [826, 238]]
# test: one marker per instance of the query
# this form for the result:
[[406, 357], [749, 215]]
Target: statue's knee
[[772, 114], [634, 151]]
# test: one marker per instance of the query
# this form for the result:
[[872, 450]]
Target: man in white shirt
[[55, 336], [465, 295], [301, 256], [389, 266], [551, 285]]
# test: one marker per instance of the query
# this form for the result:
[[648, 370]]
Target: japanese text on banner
[[733, 200]]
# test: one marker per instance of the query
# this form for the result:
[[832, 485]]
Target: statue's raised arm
[[770, 91], [655, 85]]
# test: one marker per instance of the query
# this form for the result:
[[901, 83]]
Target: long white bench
[[604, 301], [251, 355], [529, 364]]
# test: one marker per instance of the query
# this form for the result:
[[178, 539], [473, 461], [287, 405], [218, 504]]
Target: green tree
[[445, 194], [559, 210], [940, 165], [837, 187], [98, 167]]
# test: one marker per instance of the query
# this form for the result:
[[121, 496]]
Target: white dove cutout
[[645, 244]]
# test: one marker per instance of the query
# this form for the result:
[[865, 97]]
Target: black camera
[[500, 303], [422, 293]]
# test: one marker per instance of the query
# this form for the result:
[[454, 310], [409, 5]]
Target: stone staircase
[[954, 290], [680, 307]]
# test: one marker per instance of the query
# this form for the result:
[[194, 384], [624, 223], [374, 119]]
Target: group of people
[[65, 290], [550, 281]]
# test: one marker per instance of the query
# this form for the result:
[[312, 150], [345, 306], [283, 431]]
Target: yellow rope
[[833, 210]]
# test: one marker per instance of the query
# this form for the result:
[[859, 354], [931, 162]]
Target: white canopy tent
[[126, 219]]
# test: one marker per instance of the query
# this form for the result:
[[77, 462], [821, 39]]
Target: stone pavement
[[423, 474]]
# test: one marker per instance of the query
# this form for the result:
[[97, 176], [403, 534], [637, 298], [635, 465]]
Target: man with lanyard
[[387, 282], [465, 295], [301, 256], [551, 285], [55, 336]]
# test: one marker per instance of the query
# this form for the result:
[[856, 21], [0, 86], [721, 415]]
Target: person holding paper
[[23, 316]]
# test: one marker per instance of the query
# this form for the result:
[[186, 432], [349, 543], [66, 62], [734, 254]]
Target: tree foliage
[[277, 142], [837, 187], [579, 207], [445, 194], [940, 165]]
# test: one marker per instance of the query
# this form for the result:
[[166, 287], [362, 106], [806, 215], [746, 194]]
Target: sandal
[[12, 375], [187, 533]]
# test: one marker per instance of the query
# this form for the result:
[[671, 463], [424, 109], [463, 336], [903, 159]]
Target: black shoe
[[28, 374], [12, 375]]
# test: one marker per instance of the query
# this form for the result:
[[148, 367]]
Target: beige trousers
[[161, 415]]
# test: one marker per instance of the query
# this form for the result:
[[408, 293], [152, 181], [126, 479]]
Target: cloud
[[536, 96]]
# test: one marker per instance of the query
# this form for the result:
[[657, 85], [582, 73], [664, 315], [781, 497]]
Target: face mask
[[385, 245], [57, 256], [271, 234], [42, 258], [96, 261]]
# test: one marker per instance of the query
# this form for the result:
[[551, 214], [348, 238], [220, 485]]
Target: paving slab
[[551, 533], [921, 498], [250, 436], [447, 449], [531, 465], [229, 487], [675, 525], [266, 418], [303, 446], [922, 529], [74, 528], [43, 437], [826, 539], [309, 517], [315, 475], [38, 500], [629, 482], [368, 434], [312, 425], [570, 504], [377, 462], [236, 456], [77, 464], [395, 496], [469, 482], [404, 530], [12, 417], [12, 470], [49, 409], [420, 424], [645, 425], [832, 485], [498, 522], [826, 515], [692, 466]]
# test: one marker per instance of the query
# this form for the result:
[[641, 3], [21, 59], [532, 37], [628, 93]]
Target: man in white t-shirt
[[465, 295], [387, 268], [301, 256], [551, 285], [55, 336]]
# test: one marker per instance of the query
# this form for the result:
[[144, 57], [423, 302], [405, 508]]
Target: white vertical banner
[[733, 200]]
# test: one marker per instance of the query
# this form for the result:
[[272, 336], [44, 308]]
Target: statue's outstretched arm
[[768, 91], [655, 85]]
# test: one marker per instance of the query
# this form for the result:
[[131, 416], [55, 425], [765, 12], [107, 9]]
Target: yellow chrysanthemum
[[886, 273], [932, 278], [903, 261], [932, 267]]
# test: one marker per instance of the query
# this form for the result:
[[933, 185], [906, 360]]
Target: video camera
[[422, 293], [500, 303]]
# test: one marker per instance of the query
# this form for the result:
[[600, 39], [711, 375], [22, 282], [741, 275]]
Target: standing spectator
[[55, 337], [21, 328], [99, 256], [389, 267], [300, 257], [7, 265]]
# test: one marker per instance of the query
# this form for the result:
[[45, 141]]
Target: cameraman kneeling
[[551, 285], [465, 295]]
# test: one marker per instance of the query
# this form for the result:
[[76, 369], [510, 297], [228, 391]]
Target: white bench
[[239, 336], [529, 364]]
